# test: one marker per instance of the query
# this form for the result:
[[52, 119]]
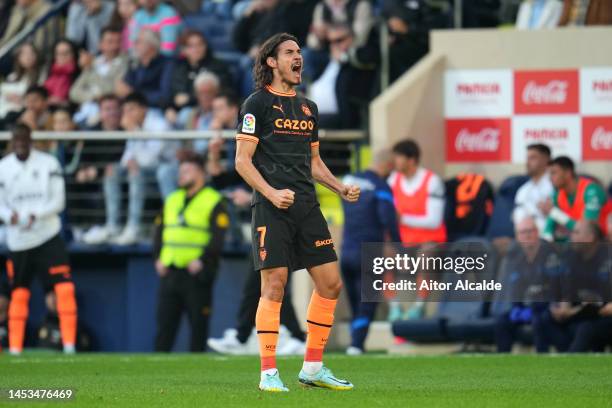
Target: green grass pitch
[[183, 380]]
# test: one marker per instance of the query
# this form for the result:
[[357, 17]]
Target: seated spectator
[[98, 76], [531, 273], [138, 163], [151, 75], [574, 198], [586, 12], [418, 194], [86, 19], [221, 152], [334, 92], [62, 122], [36, 113], [534, 193], [199, 117], [408, 24], [583, 321], [539, 14], [197, 58], [122, 21], [27, 12], [97, 159], [260, 20], [62, 73], [206, 87], [357, 14], [161, 18], [27, 71]]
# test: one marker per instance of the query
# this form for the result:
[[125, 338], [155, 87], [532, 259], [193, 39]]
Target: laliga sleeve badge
[[248, 123], [306, 110], [262, 254]]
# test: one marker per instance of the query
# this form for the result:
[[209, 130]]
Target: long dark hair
[[262, 72], [33, 75]]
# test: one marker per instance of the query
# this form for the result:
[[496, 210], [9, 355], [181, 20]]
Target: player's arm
[[245, 149], [322, 175], [219, 222], [594, 200]]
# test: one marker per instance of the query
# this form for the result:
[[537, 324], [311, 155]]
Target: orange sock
[[18, 315], [319, 318], [67, 312], [267, 323]]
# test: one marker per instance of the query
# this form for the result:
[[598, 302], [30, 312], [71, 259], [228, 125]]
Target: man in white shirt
[[537, 190], [32, 195], [138, 164], [418, 194]]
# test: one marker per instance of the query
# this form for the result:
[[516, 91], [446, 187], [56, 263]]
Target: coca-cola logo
[[601, 139], [552, 93], [485, 140]]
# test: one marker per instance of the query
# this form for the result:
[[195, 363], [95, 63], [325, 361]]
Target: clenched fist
[[350, 193], [282, 199]]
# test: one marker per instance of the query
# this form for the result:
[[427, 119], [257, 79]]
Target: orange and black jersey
[[285, 127]]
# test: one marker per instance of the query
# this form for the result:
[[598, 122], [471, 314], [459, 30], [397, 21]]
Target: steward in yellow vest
[[188, 245]]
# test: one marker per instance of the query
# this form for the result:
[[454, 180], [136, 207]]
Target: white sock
[[14, 351], [312, 367], [269, 371]]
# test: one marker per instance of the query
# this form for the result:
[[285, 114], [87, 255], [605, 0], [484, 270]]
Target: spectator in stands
[[535, 192], [198, 57], [357, 14], [36, 113], [586, 12], [530, 273], [574, 198], [27, 12], [583, 321], [98, 76], [408, 24], [221, 152], [152, 73], [161, 18], [27, 71], [334, 91], [206, 86], [187, 250], [418, 194], [138, 163], [97, 159], [371, 219], [86, 19], [539, 14], [62, 73], [260, 20], [122, 20], [221, 9]]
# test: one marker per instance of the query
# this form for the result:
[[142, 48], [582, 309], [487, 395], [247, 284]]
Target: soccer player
[[278, 155], [32, 195], [574, 198]]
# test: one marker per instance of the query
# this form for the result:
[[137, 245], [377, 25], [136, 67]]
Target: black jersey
[[285, 127]]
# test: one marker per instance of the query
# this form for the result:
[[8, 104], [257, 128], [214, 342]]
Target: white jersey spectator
[[539, 14], [34, 190], [531, 195]]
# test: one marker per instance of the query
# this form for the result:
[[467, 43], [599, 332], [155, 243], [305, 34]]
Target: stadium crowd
[[147, 65]]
